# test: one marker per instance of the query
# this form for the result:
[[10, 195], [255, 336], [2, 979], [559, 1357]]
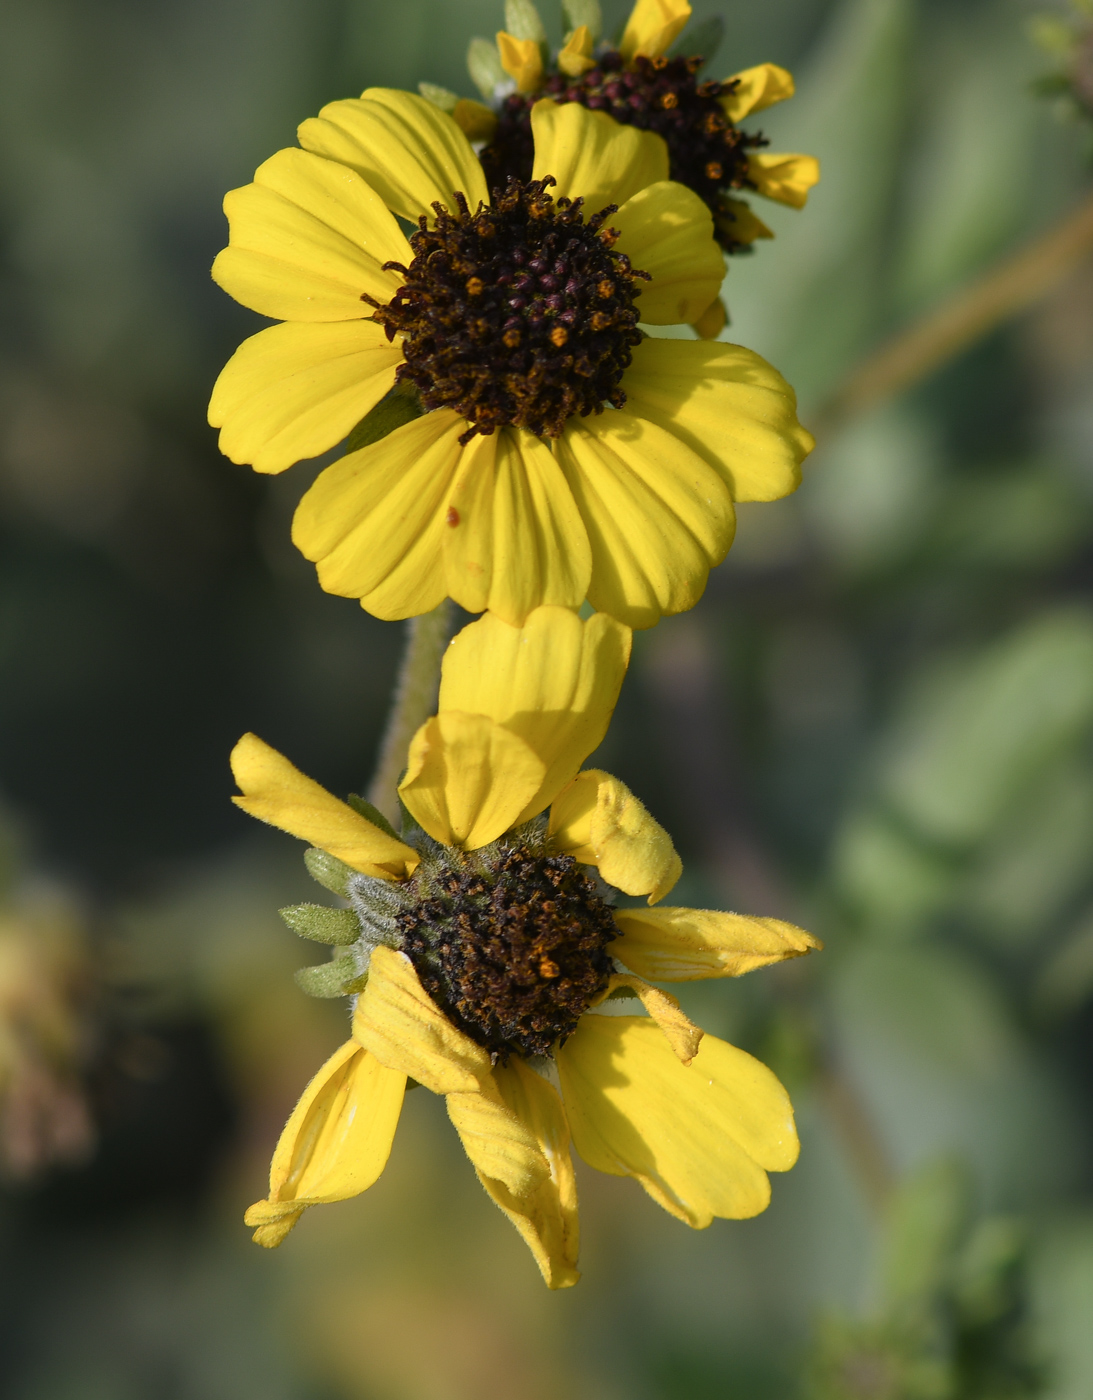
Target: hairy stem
[[414, 701], [1013, 285]]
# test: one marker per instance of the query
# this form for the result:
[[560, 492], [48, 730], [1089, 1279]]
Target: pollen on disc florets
[[518, 314], [509, 941], [706, 151]]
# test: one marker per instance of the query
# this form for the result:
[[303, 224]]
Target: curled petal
[[786, 178], [684, 945], [500, 1145], [399, 1023], [275, 791], [680, 1031], [468, 779], [576, 57], [599, 821], [653, 27], [757, 88], [335, 1144], [554, 682], [522, 60], [547, 1216]]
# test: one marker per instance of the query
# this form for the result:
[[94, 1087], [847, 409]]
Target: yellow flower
[[638, 85], [494, 963], [515, 323]]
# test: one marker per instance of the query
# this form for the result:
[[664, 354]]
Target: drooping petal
[[699, 1138], [592, 157], [502, 1148], [375, 518], [684, 945], [712, 321], [757, 88], [600, 822], [786, 178], [740, 222], [308, 237], [468, 779], [680, 1031], [297, 389], [658, 516], [514, 537], [522, 60], [410, 152], [547, 1217], [554, 682], [399, 1023], [275, 791], [653, 27], [729, 406], [667, 231], [335, 1144]]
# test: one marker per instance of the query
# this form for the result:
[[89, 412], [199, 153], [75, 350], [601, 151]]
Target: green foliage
[[372, 814], [586, 12], [397, 407], [484, 66], [330, 872], [338, 978]]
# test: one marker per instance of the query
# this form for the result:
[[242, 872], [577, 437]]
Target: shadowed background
[[877, 723]]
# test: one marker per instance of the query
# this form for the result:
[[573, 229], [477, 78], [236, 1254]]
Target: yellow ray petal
[[409, 151], [600, 822], [514, 537], [683, 945], [593, 157], [680, 1031], [739, 221], [547, 1217], [475, 120], [757, 88], [294, 390], [712, 321], [554, 682], [786, 178], [275, 791], [667, 231], [501, 1147], [522, 60], [576, 57], [653, 27], [398, 1022], [729, 406], [658, 517], [697, 1138], [468, 779], [335, 1144], [377, 514], [307, 238]]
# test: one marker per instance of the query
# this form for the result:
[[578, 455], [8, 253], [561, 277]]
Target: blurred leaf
[[965, 751], [983, 1277], [1062, 1274], [1026, 519], [890, 878], [586, 12], [1066, 981], [523, 21], [924, 1220], [700, 41]]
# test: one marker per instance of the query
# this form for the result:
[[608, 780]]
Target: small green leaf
[[700, 41], [322, 924], [586, 12], [522, 21], [330, 979], [372, 814], [399, 406], [484, 66], [330, 872], [440, 97]]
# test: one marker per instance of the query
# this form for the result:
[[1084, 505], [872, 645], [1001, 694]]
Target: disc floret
[[517, 314]]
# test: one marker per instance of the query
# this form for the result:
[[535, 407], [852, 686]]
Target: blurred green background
[[877, 723]]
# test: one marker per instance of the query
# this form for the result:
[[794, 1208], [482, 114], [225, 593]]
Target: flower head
[[639, 84], [490, 961], [509, 323]]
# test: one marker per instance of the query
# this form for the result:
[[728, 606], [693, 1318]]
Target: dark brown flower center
[[518, 314], [706, 151], [513, 954]]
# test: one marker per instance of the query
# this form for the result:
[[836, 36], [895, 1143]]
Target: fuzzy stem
[[912, 354], [414, 701]]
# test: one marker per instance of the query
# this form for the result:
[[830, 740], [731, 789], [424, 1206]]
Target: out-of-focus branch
[[414, 701], [911, 355]]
